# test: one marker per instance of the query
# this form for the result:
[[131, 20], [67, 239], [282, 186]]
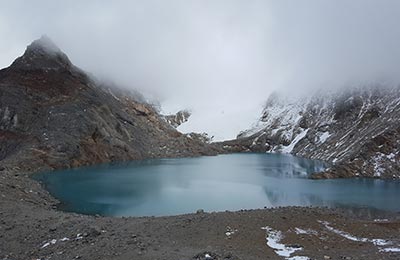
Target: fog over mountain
[[220, 59]]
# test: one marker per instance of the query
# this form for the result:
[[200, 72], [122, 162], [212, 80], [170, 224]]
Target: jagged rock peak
[[44, 44], [42, 53], [179, 118]]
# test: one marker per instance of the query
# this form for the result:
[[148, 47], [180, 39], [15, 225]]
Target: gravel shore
[[32, 227]]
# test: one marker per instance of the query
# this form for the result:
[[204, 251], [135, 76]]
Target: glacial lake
[[217, 183]]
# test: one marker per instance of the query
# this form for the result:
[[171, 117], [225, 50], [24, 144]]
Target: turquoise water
[[218, 183]]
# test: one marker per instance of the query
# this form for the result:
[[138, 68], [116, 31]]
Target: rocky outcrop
[[53, 115], [179, 118], [357, 131]]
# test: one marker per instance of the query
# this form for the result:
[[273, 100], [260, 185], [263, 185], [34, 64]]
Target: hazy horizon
[[220, 59]]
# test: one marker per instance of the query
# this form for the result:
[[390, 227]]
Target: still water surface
[[218, 183]]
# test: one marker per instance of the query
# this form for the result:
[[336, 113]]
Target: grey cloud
[[219, 58]]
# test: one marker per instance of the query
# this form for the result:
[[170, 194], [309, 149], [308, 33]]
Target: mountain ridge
[[357, 131], [53, 115]]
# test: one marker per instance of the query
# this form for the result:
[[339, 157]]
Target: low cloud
[[221, 59]]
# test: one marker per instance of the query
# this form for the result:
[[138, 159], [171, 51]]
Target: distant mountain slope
[[179, 118], [357, 131], [53, 115]]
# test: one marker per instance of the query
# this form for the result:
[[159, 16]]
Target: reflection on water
[[226, 182]]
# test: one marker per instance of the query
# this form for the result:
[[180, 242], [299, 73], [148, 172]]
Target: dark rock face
[[43, 54], [52, 115], [358, 131]]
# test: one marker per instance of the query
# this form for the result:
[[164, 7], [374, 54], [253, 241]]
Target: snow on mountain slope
[[357, 131], [178, 119]]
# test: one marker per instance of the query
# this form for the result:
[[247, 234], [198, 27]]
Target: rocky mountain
[[53, 115], [356, 131], [179, 118]]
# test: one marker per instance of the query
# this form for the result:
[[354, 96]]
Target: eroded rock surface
[[53, 115]]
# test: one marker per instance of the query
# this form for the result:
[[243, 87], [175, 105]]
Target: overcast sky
[[219, 58]]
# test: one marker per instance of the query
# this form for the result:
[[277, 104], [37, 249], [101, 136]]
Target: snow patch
[[391, 157], [298, 258], [290, 147], [378, 170], [380, 243], [273, 241], [308, 231], [390, 249], [379, 160], [342, 233], [51, 242], [381, 220], [257, 138], [324, 136]]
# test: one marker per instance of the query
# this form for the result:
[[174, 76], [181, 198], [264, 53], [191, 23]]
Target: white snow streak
[[391, 249], [380, 243], [273, 241], [289, 148], [51, 242], [298, 258], [324, 137], [308, 231]]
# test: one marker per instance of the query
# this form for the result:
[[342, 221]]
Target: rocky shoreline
[[33, 228]]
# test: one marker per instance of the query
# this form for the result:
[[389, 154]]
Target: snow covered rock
[[179, 118], [357, 131]]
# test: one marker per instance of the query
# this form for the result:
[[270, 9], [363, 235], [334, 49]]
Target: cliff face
[[357, 131], [53, 115], [179, 118]]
